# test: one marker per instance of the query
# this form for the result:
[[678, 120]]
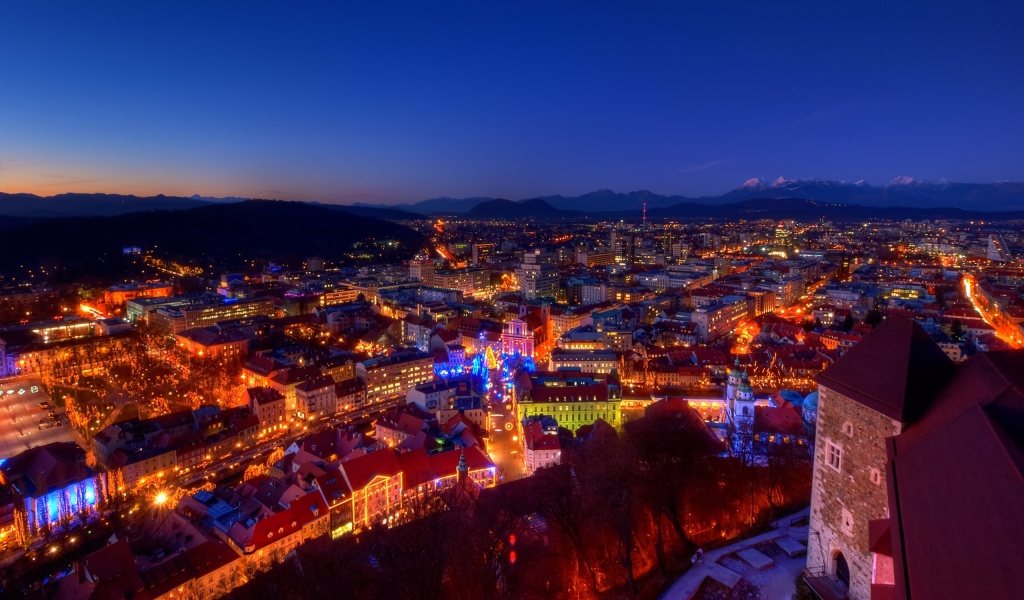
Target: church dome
[[811, 401]]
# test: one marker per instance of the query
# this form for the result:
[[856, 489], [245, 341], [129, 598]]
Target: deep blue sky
[[381, 102]]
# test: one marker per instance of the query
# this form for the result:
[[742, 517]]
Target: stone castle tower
[[869, 395]]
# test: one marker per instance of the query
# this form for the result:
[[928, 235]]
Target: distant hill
[[436, 205], [218, 234], [507, 209], [902, 191], [89, 205], [378, 212]]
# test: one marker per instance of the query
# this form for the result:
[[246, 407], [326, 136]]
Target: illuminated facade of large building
[[471, 282], [517, 338], [390, 377], [181, 318], [51, 484], [116, 295], [572, 398]]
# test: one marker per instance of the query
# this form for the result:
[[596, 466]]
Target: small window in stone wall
[[834, 456], [848, 428], [876, 477], [847, 522]]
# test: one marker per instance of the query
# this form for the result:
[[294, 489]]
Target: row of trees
[[618, 519]]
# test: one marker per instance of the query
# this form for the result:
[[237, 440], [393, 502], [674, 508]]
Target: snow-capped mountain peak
[[904, 180], [781, 181], [754, 183]]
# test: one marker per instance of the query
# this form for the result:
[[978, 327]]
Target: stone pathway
[[755, 559], [686, 586], [791, 547]]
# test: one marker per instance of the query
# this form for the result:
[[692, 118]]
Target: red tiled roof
[[449, 426], [115, 563], [962, 311], [447, 336], [359, 472], [333, 486], [418, 467], [264, 365], [575, 393], [535, 439], [316, 383], [780, 419], [296, 374], [268, 530], [309, 507], [264, 395], [973, 430]]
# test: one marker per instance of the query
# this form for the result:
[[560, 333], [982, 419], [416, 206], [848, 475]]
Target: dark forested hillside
[[216, 234]]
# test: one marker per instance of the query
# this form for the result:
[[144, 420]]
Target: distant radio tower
[[645, 215]]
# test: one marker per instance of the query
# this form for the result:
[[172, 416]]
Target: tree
[[873, 318], [21, 529], [786, 466], [275, 455], [956, 330], [80, 500], [607, 473], [848, 322], [668, 450], [562, 504]]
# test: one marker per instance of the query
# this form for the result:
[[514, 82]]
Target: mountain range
[[789, 199], [902, 191], [758, 208]]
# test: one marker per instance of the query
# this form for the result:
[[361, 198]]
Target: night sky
[[381, 102]]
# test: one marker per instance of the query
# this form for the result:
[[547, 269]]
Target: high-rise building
[[422, 270], [471, 282], [483, 253], [537, 280]]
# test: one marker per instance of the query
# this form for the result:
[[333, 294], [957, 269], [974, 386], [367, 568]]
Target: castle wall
[[844, 501]]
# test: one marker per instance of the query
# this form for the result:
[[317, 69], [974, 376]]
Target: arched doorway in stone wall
[[842, 569]]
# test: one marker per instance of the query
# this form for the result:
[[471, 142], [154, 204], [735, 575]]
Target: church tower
[[743, 403], [732, 385], [463, 469]]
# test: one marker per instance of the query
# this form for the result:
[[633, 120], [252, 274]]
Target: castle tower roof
[[896, 370]]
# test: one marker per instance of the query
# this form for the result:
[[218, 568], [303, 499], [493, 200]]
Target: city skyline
[[350, 105], [521, 301]]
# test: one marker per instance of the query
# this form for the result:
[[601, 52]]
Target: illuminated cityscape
[[332, 379]]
